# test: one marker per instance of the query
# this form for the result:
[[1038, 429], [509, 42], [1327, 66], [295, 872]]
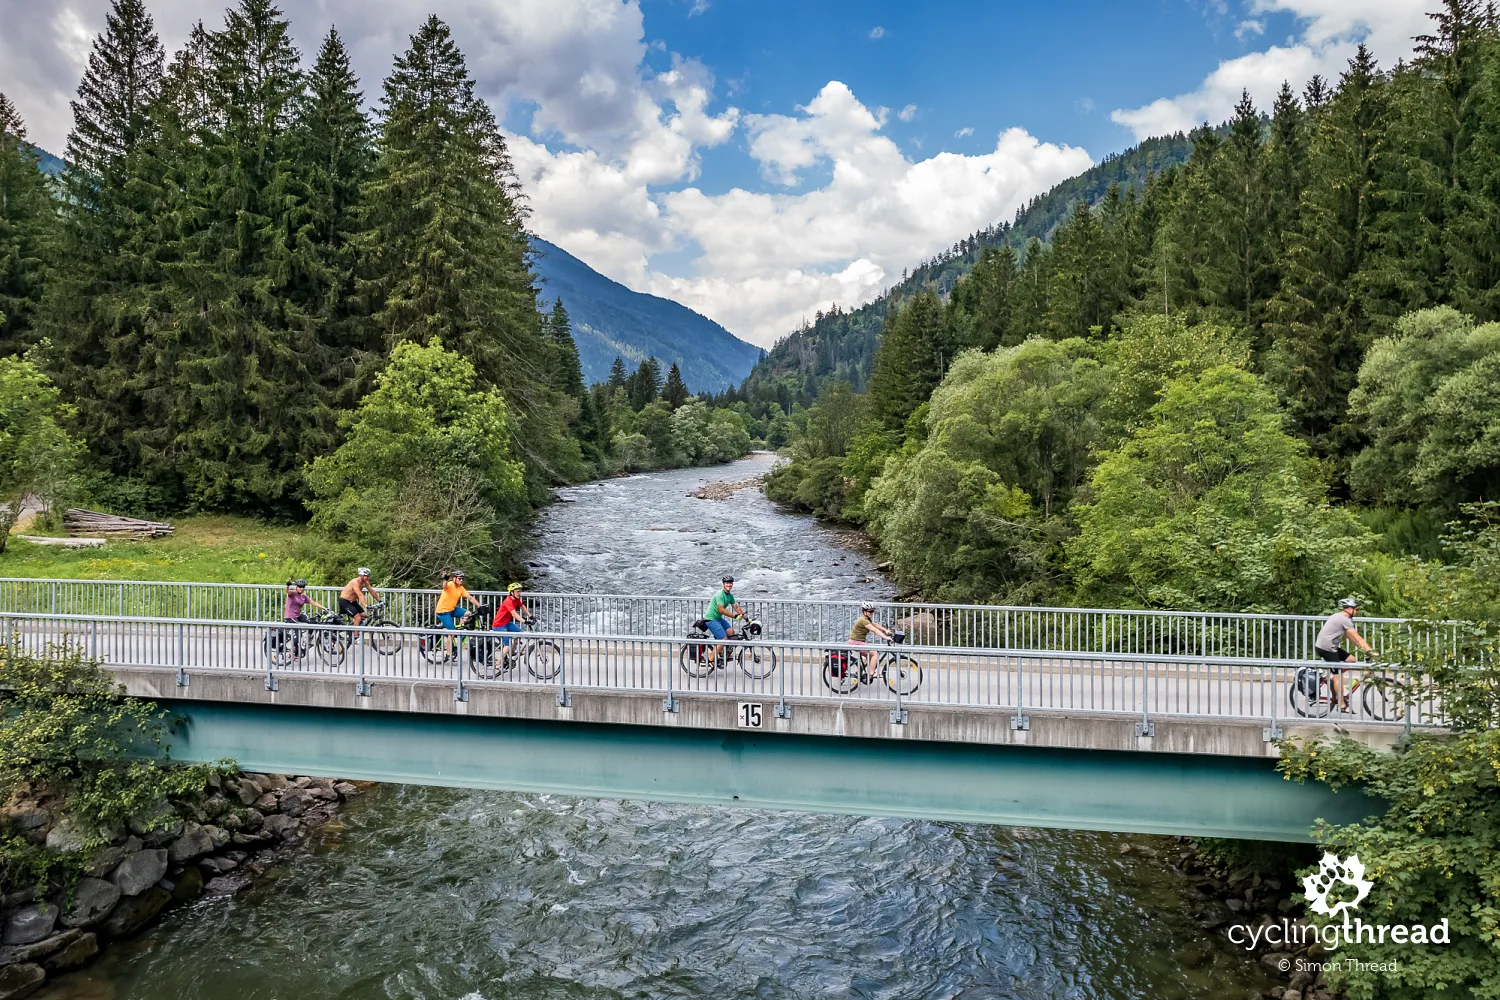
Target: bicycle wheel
[[756, 661], [281, 647], [332, 646], [695, 660], [1381, 699], [384, 641], [483, 655], [1309, 695], [431, 648], [544, 658], [841, 676], [901, 673]]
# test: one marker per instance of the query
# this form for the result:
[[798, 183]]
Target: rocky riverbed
[[212, 844]]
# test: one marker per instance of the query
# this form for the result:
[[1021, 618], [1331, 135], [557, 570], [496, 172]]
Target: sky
[[758, 160]]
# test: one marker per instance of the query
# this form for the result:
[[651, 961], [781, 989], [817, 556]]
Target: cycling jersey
[[722, 600], [506, 611], [453, 592], [861, 629]]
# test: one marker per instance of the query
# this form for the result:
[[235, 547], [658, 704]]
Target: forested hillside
[[840, 344], [244, 293], [1241, 384], [611, 321]]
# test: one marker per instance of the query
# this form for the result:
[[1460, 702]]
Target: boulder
[[275, 782], [194, 842], [250, 820], [134, 912], [1277, 963], [326, 793], [231, 821], [266, 803], [218, 835], [104, 859], [32, 922], [345, 789], [189, 887], [215, 806], [93, 898], [302, 782], [82, 948], [296, 801], [226, 885], [140, 871], [247, 791], [17, 981], [158, 824], [280, 826], [25, 817], [37, 950], [261, 781]]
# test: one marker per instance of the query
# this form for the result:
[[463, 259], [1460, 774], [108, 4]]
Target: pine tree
[[1286, 166], [96, 305], [675, 391], [617, 377], [1242, 277], [909, 363], [446, 249], [27, 224], [567, 372], [645, 384]]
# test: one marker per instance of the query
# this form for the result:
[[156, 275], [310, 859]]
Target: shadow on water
[[446, 894]]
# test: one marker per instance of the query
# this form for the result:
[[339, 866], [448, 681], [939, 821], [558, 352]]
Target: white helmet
[[364, 571]]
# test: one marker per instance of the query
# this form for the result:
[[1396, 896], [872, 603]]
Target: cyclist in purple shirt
[[296, 599]]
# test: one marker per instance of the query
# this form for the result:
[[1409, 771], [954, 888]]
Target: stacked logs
[[92, 524]]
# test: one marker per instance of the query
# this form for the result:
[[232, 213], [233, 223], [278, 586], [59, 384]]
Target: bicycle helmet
[[364, 571], [1349, 602], [513, 588], [458, 574], [299, 583], [868, 609], [727, 579]]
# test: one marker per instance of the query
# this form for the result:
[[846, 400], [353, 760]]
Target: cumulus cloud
[[877, 32], [1249, 27], [609, 150], [1329, 32]]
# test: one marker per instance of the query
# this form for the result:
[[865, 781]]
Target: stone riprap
[[214, 844]]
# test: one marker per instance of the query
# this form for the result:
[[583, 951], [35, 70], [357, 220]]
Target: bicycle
[[899, 670], [489, 657], [446, 645], [697, 659], [333, 645], [1381, 697]]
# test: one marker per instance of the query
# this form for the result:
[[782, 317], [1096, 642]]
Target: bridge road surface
[[949, 676]]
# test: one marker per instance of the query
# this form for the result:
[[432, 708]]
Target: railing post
[[182, 678], [1020, 722], [783, 710], [562, 674], [669, 703], [898, 714], [1145, 727], [1274, 732], [54, 597], [362, 685]]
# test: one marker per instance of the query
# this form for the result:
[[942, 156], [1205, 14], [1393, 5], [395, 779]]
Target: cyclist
[[1330, 644], [508, 617], [453, 593], [723, 608], [350, 598], [863, 625], [296, 599]]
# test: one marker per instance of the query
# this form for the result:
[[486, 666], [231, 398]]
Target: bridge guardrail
[[1085, 630], [1146, 686]]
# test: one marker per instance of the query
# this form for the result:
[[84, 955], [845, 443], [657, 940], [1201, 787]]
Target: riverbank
[[212, 844]]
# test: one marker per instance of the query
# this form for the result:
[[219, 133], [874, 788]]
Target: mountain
[[841, 343], [51, 165], [610, 321]]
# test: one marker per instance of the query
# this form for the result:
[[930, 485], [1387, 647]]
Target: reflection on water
[[447, 894]]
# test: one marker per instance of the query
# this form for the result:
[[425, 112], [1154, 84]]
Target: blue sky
[[758, 160]]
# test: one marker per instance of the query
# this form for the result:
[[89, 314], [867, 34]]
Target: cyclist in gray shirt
[[1330, 643]]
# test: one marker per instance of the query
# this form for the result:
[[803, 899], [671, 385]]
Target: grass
[[209, 548]]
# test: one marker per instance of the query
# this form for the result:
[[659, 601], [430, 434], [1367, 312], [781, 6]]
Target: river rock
[[195, 841], [37, 950], [189, 886], [1277, 963], [296, 801], [266, 803], [134, 912], [17, 981], [25, 817], [302, 782], [158, 824], [226, 885], [140, 871], [215, 806], [32, 922], [250, 820], [231, 822], [93, 898], [247, 791], [218, 835], [345, 789], [275, 782], [279, 826], [20, 897], [77, 951]]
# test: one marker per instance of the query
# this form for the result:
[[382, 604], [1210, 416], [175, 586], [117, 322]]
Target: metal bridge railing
[[1063, 630], [1145, 686]]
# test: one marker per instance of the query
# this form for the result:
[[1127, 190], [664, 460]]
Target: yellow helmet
[[513, 588]]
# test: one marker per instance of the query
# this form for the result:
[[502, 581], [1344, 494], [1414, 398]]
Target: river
[[449, 894]]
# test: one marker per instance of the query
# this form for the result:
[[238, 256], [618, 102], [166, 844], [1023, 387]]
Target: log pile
[[82, 523]]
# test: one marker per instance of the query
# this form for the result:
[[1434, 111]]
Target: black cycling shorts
[[1338, 656], [350, 608]]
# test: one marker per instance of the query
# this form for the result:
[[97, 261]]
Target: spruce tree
[[909, 362], [446, 251], [645, 384], [1240, 277], [567, 372], [96, 305], [1286, 167], [675, 391], [618, 379], [27, 224]]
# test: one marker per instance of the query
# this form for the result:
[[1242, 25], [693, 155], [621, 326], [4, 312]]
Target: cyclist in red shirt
[[509, 615]]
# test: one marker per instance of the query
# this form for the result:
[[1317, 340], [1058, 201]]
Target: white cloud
[[907, 113], [1249, 27], [877, 32], [699, 7], [964, 132], [1329, 32]]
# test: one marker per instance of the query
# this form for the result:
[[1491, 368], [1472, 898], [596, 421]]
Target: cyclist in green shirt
[[722, 610]]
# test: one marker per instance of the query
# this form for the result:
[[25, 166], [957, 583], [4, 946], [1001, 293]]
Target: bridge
[[1157, 722]]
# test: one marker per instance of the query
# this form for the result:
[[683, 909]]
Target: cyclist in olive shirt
[[863, 626], [722, 610]]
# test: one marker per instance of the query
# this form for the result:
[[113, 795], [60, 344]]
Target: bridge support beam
[[1163, 793]]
